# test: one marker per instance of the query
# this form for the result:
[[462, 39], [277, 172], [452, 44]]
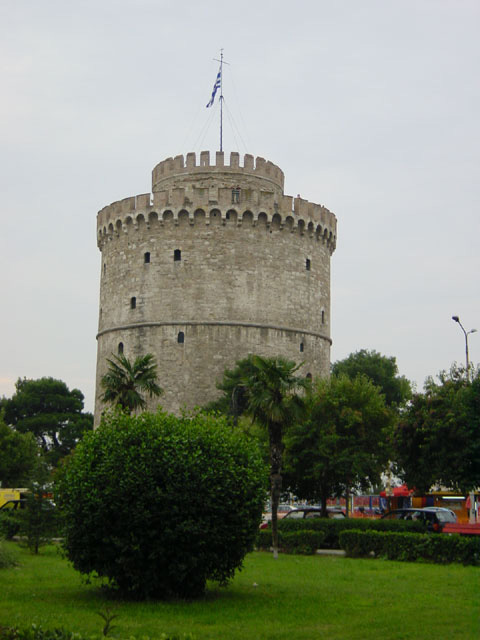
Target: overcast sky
[[371, 108]]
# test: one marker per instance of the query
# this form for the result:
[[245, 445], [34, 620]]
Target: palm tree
[[125, 382], [270, 384]]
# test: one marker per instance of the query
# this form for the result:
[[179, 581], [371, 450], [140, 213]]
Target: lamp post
[[466, 333], [473, 511]]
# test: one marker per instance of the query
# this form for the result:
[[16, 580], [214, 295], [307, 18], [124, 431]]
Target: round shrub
[[159, 504]]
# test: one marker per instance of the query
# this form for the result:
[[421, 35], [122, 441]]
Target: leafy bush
[[304, 542], [332, 527], [9, 523], [412, 546], [158, 504], [301, 542], [7, 557], [37, 633]]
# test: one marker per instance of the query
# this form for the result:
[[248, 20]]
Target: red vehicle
[[463, 528]]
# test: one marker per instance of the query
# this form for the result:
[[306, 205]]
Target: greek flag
[[216, 86]]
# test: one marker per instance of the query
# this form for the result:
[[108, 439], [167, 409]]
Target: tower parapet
[[217, 262], [250, 192], [180, 167]]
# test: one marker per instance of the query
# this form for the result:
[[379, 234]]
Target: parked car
[[284, 508], [434, 517], [315, 512], [309, 512]]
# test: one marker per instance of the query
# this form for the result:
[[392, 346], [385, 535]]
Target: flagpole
[[221, 100], [222, 62], [219, 85]]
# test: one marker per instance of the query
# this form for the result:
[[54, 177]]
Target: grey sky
[[370, 108]]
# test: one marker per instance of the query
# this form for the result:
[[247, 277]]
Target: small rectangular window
[[307, 264], [146, 257], [177, 255], [133, 303]]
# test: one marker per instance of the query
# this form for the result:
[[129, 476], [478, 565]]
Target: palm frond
[[125, 382]]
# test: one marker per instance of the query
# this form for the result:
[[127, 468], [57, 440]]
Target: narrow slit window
[[177, 255], [133, 303], [301, 347], [307, 264], [181, 337], [120, 348], [104, 268], [146, 257], [323, 317]]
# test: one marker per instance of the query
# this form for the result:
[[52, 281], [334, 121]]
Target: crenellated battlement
[[292, 214], [181, 167], [252, 194]]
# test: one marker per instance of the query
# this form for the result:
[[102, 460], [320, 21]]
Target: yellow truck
[[11, 494]]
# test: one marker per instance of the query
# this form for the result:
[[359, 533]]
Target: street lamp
[[466, 333], [473, 511]]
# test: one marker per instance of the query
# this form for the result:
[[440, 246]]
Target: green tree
[[269, 388], [48, 409], [126, 382], [437, 440], [234, 400], [382, 371], [18, 455], [38, 519], [158, 504], [343, 441]]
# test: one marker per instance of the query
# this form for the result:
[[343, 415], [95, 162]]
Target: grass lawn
[[295, 597]]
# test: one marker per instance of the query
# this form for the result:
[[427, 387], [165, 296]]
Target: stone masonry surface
[[215, 264]]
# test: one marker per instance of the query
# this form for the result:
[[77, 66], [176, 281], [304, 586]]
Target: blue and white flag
[[216, 86]]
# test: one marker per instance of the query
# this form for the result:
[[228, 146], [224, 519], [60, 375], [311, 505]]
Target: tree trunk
[[275, 434], [325, 496]]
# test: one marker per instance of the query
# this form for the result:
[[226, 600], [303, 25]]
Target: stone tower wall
[[219, 254]]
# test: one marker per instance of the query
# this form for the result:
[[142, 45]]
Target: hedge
[[332, 527], [301, 542], [410, 547], [35, 632]]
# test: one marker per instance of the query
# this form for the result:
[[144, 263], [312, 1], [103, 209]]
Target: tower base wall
[[190, 370]]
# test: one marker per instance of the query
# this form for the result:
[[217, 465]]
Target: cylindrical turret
[[217, 265]]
